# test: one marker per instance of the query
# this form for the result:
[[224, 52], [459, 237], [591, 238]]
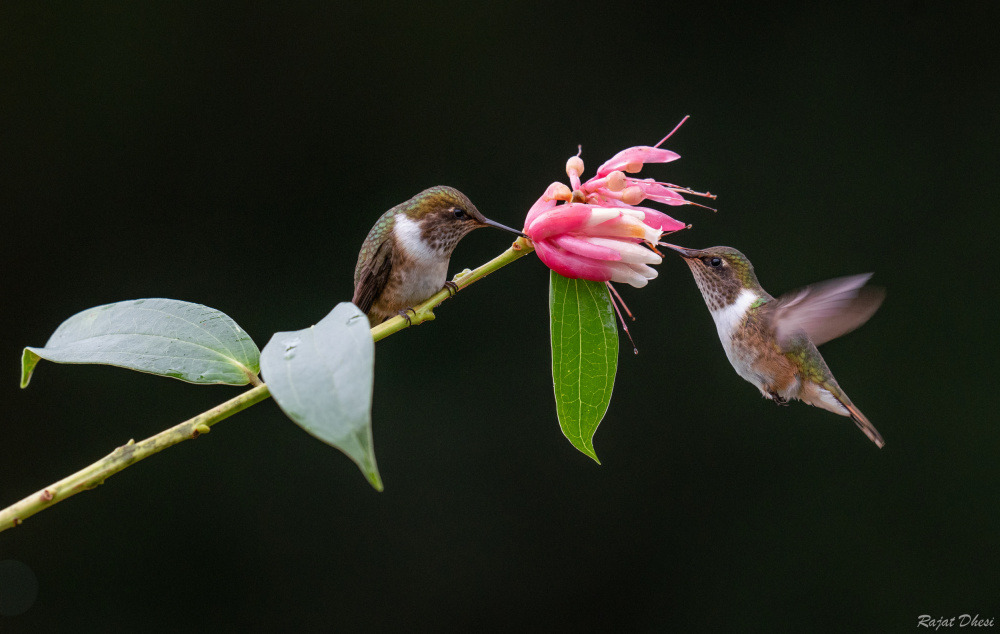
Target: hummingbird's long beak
[[504, 227], [685, 253]]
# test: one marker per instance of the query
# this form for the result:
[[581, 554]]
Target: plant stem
[[128, 454]]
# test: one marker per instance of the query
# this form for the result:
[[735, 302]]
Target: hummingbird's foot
[[404, 314], [452, 288], [778, 398]]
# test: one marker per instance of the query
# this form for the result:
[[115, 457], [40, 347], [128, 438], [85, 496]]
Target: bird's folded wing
[[373, 277]]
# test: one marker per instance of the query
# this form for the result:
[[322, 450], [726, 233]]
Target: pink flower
[[600, 233]]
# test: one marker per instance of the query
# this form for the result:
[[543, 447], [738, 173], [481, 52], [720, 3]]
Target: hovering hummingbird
[[771, 342], [404, 259]]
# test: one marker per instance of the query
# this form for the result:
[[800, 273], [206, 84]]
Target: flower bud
[[558, 191], [575, 163], [616, 181], [632, 195]]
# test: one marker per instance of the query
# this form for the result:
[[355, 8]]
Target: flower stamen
[[635, 349], [676, 128]]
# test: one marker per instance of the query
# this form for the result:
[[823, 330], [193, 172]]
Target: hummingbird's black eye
[[715, 262], [459, 213]]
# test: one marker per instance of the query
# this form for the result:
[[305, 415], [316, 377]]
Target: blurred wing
[[826, 310], [372, 277]]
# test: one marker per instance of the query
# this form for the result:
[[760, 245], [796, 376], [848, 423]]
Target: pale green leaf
[[584, 356], [185, 341], [322, 378]]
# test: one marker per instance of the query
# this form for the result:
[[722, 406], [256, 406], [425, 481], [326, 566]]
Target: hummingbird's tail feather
[[864, 424], [830, 397]]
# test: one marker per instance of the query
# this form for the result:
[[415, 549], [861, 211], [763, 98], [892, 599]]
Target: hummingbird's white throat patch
[[410, 239], [426, 269], [730, 318]]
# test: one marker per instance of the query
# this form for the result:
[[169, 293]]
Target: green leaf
[[322, 378], [185, 341], [584, 356]]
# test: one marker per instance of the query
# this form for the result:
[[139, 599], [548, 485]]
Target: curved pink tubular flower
[[632, 159], [599, 232]]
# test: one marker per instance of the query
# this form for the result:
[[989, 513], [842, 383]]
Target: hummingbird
[[771, 342], [404, 259]]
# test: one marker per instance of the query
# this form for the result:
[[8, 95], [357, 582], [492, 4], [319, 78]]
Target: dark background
[[237, 156]]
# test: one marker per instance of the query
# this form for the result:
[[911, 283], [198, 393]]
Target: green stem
[[132, 452], [126, 455]]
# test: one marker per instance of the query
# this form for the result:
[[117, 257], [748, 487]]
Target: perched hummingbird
[[772, 341], [404, 259]]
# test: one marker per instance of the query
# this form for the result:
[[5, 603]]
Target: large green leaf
[[185, 341], [584, 356], [322, 378]]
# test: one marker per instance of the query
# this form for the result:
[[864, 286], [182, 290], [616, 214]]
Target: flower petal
[[628, 251], [563, 219], [571, 265], [660, 220], [555, 191], [594, 248], [625, 274], [625, 226], [647, 272], [658, 191], [638, 154]]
